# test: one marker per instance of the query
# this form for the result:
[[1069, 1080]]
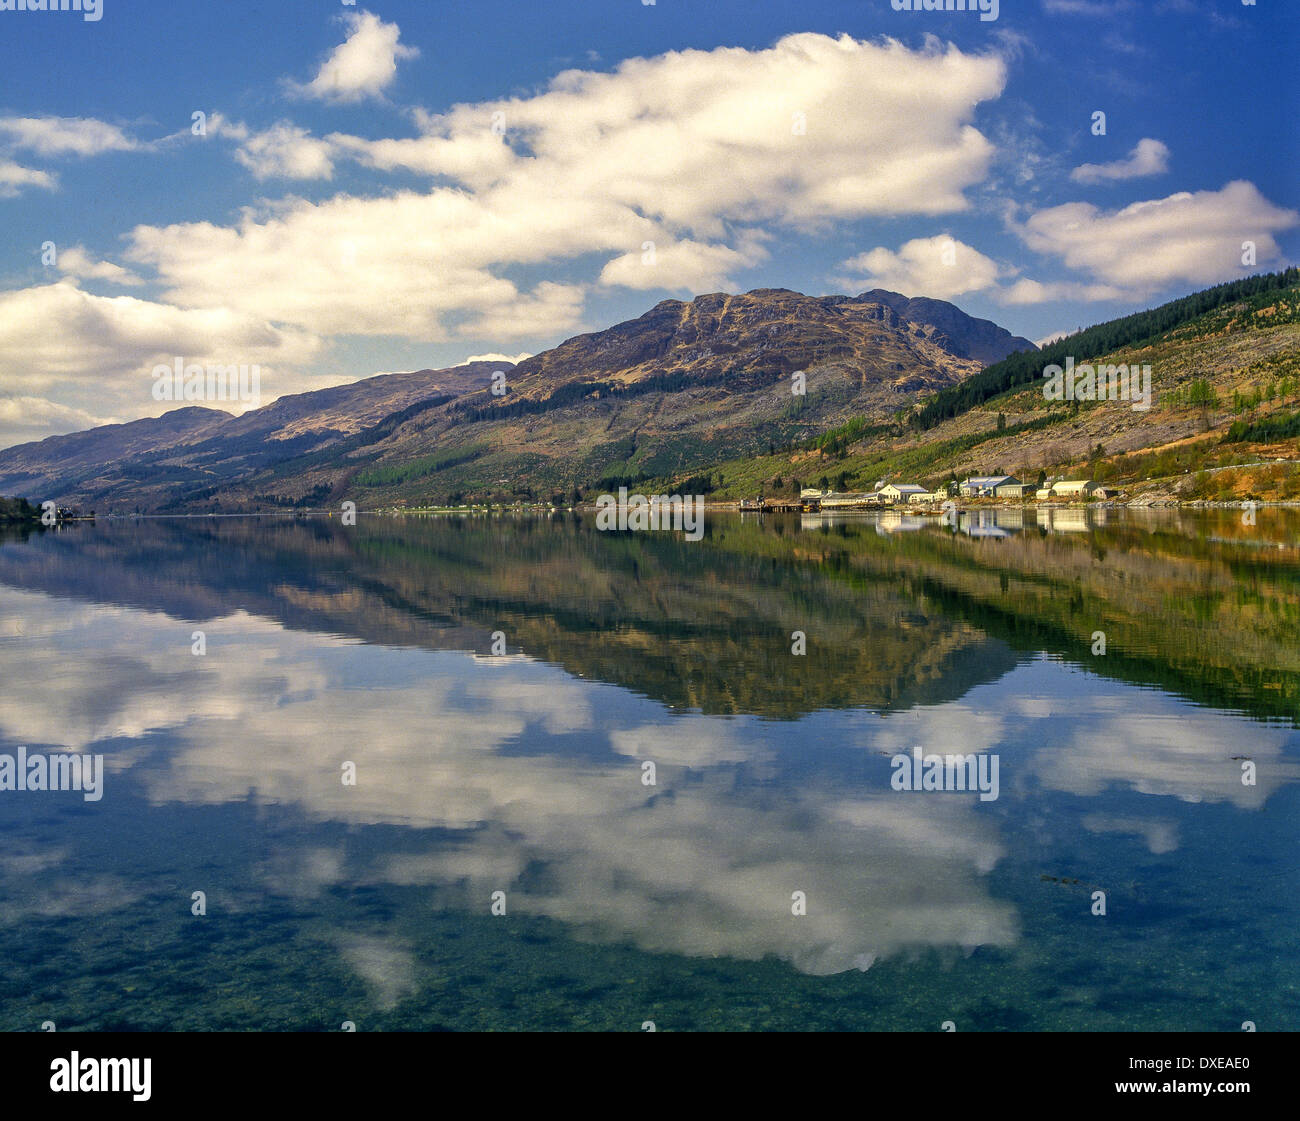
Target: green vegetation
[[17, 510], [1026, 367], [1233, 341], [836, 441], [1198, 394], [724, 426], [1280, 427], [312, 498], [417, 468], [576, 391], [916, 462]]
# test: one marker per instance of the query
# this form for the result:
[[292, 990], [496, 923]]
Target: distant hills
[[161, 460], [696, 397], [1223, 422], [676, 389]]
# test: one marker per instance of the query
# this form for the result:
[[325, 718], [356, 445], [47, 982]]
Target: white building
[[986, 486], [900, 492], [1077, 488]]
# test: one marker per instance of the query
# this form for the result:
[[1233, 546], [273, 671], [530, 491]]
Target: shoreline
[[730, 507]]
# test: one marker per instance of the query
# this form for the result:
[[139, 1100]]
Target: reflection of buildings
[[989, 523], [891, 521], [1012, 519], [1064, 519]]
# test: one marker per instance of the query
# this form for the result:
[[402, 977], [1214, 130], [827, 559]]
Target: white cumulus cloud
[[81, 352], [1192, 238], [1027, 291], [699, 152], [286, 151], [24, 418], [513, 359], [14, 177], [76, 262], [363, 65], [63, 136], [1148, 157], [939, 267]]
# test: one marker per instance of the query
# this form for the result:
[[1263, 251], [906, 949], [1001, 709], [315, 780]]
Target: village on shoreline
[[977, 489], [987, 492]]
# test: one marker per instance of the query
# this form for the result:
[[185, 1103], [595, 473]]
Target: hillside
[[685, 384], [696, 396], [979, 339], [189, 451], [1225, 392]]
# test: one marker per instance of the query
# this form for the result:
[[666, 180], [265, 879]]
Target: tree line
[[1026, 367]]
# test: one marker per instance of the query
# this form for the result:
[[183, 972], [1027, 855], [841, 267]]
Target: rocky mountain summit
[[685, 383]]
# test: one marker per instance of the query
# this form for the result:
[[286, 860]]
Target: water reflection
[[694, 864], [524, 773]]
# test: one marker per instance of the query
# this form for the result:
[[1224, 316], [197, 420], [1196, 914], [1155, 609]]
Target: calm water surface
[[523, 772]]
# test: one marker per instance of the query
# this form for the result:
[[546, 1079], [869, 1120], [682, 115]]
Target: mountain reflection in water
[[524, 772]]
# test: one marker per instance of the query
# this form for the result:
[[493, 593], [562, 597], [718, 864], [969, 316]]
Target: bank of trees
[[1026, 367]]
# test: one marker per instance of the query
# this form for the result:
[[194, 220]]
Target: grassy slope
[[1247, 349]]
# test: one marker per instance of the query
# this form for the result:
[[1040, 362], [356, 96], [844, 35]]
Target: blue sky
[[403, 185]]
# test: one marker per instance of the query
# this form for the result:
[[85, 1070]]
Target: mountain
[[145, 462], [696, 396], [679, 387], [1221, 421], [966, 337], [749, 337]]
